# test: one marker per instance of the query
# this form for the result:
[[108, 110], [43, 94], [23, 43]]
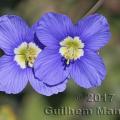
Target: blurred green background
[[29, 105]]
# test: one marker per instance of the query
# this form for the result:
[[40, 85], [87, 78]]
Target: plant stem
[[95, 7]]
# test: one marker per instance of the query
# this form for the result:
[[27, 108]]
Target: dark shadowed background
[[29, 105]]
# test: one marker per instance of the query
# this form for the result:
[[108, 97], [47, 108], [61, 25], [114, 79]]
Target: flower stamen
[[71, 49], [26, 54]]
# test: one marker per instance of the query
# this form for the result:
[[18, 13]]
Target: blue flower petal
[[12, 78], [36, 40], [52, 28], [49, 67], [94, 31], [13, 31], [89, 71], [45, 89]]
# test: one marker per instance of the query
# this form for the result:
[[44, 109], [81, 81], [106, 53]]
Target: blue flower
[[21, 49], [72, 50]]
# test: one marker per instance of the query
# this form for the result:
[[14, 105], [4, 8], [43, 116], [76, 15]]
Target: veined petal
[[94, 31], [93, 59], [49, 67], [12, 78], [36, 40], [43, 88], [35, 26], [52, 28], [13, 31], [89, 71]]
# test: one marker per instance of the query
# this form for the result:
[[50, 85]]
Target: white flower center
[[26, 54], [71, 48]]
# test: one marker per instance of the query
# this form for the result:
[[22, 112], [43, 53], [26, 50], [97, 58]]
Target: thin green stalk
[[95, 7]]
